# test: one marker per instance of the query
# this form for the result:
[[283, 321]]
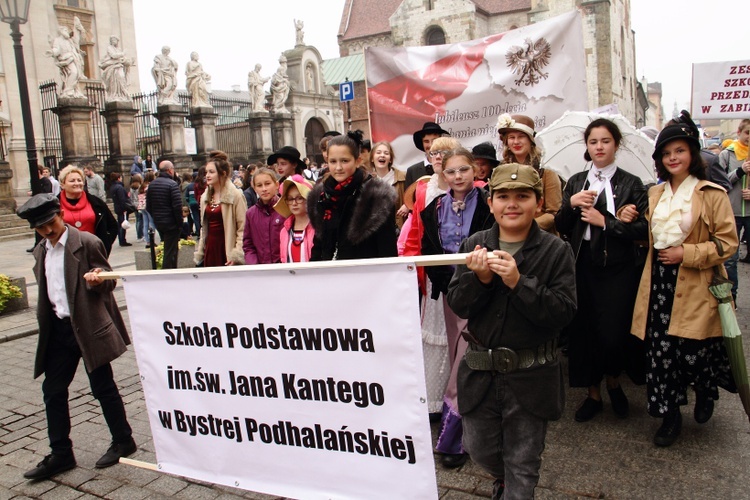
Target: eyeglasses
[[435, 154], [297, 199], [452, 171]]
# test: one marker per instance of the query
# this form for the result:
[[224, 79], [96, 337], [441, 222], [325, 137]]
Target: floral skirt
[[674, 363]]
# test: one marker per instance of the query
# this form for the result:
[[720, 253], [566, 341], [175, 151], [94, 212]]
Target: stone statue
[[66, 51], [115, 72], [255, 84], [280, 87], [197, 83], [165, 75], [310, 79], [298, 25]]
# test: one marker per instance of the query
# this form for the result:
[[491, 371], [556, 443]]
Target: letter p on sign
[[346, 91]]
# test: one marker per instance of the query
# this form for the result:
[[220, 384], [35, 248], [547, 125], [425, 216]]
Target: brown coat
[[97, 324], [552, 193], [695, 311]]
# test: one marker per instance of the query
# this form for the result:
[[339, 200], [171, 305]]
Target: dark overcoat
[[532, 313], [97, 323]]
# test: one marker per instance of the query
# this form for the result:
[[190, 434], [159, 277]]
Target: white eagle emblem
[[529, 60]]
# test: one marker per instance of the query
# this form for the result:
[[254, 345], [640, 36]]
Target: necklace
[[215, 199], [77, 222]]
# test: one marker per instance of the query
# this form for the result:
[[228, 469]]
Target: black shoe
[[588, 409], [498, 487], [435, 417], [704, 407], [670, 429], [51, 465], [126, 244], [619, 401], [746, 259], [115, 452], [451, 461], [30, 250]]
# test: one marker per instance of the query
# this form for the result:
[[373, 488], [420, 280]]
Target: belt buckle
[[504, 360]]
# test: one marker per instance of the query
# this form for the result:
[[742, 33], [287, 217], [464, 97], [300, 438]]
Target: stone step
[[17, 236], [12, 220], [23, 229]]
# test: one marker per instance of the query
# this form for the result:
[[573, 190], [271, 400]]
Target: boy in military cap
[[517, 289], [78, 318]]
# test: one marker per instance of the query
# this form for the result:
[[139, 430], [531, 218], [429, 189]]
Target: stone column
[[261, 139], [283, 130], [120, 118], [74, 114], [204, 121], [172, 131], [7, 201]]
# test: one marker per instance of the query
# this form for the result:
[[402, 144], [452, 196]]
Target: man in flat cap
[[78, 318]]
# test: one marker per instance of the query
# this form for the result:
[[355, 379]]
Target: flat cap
[[40, 209]]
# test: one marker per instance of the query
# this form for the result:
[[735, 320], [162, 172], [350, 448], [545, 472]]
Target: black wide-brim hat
[[427, 128], [39, 209], [672, 133], [287, 152], [486, 151]]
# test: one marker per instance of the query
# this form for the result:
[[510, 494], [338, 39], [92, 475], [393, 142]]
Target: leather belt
[[505, 360]]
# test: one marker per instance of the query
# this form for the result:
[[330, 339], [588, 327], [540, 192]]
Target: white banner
[[721, 90], [537, 70], [306, 383]]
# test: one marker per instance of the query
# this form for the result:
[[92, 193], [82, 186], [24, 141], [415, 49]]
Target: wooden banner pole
[[418, 260]]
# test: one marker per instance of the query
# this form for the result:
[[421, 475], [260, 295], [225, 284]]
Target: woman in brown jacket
[[517, 134], [692, 233]]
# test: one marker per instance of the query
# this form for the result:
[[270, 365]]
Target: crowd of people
[[610, 272]]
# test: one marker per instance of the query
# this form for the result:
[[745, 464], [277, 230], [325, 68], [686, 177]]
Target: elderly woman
[[517, 134], [86, 213]]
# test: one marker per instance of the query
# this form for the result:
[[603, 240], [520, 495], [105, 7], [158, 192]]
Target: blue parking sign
[[346, 91]]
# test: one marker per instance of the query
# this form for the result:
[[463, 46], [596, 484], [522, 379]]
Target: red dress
[[215, 254]]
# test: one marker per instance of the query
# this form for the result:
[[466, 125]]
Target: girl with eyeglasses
[[448, 220], [296, 237]]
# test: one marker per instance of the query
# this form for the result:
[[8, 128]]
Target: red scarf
[[81, 215]]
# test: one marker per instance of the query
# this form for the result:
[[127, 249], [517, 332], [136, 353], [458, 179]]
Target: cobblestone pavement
[[604, 458]]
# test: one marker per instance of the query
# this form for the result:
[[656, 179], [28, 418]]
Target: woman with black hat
[[517, 134], [485, 159], [287, 161], [692, 232], [607, 269]]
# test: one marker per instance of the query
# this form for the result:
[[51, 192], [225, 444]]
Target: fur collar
[[373, 207]]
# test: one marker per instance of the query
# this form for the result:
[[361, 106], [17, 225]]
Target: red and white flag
[[537, 70]]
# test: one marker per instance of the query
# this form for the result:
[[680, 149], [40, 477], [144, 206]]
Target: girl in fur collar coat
[[353, 215]]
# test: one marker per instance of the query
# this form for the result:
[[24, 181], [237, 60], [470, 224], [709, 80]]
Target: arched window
[[313, 134], [434, 36]]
